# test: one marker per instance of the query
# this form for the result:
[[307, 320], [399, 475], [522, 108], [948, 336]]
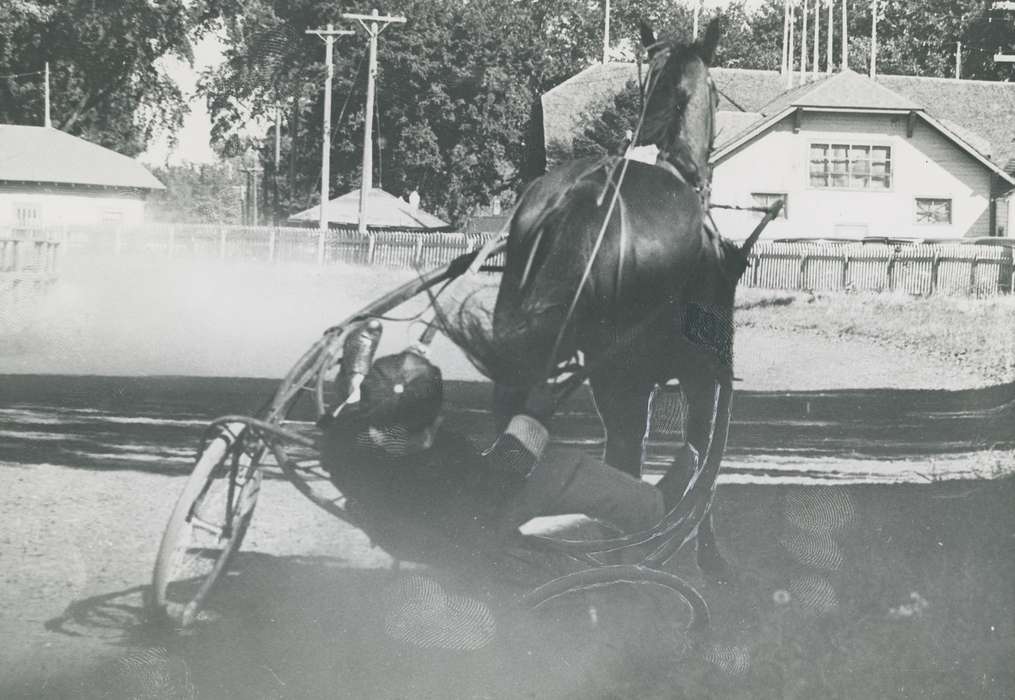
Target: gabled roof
[[383, 211], [983, 107], [740, 90], [845, 90], [46, 155], [981, 113]]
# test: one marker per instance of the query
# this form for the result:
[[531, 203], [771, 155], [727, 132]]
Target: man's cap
[[403, 389]]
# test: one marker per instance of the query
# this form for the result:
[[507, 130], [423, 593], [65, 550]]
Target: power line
[[21, 75]]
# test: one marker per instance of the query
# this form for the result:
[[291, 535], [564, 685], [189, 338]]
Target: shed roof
[[384, 210], [45, 155]]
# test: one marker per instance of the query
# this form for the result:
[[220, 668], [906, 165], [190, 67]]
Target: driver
[[393, 455]]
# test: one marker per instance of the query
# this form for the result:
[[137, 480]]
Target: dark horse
[[607, 251]]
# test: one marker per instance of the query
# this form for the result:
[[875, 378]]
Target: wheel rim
[[206, 528]]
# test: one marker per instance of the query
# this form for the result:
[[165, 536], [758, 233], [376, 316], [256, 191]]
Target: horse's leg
[[700, 392], [507, 402], [623, 405]]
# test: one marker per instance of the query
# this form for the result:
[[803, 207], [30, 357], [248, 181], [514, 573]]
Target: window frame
[[848, 160], [32, 221], [783, 213], [916, 210]]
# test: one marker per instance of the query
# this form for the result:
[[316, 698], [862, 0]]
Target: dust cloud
[[139, 316]]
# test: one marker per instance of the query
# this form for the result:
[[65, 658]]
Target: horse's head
[[681, 101]]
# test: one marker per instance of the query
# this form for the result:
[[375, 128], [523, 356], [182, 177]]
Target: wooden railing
[[954, 267], [28, 261], [915, 268]]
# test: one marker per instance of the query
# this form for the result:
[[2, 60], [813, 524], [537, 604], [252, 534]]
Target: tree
[[457, 89], [205, 194], [106, 82]]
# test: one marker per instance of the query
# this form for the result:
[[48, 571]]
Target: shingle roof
[[383, 210], [740, 90], [41, 154], [729, 125], [981, 112], [843, 90], [983, 107]]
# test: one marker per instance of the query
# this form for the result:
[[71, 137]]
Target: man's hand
[[541, 403]]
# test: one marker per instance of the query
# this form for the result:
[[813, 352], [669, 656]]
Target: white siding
[[925, 165], [57, 206]]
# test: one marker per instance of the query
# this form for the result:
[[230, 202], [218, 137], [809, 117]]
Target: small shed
[[51, 178], [384, 211]]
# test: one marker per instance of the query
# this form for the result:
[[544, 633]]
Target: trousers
[[569, 481]]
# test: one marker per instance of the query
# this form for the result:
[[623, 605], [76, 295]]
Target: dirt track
[[87, 481], [78, 544]]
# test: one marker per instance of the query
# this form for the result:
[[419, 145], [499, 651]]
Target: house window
[[112, 217], [850, 166], [931, 210], [26, 214], [767, 199]]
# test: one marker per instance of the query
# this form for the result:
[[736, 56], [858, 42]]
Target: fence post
[[417, 253], [757, 270], [890, 270], [803, 271], [271, 245], [320, 245], [371, 248], [844, 284], [934, 265], [972, 274]]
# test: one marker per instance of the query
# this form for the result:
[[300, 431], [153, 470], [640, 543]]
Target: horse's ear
[[710, 41], [648, 37]]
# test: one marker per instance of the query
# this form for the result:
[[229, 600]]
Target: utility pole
[[785, 35], [817, 38], [831, 27], [803, 47], [278, 157], [845, 38], [328, 35], [48, 122], [791, 61], [252, 172], [874, 38], [958, 60], [698, 7], [606, 31], [374, 24]]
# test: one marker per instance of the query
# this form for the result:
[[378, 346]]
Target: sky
[[193, 138]]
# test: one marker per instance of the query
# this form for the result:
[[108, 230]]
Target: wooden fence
[[919, 269], [950, 267], [27, 263]]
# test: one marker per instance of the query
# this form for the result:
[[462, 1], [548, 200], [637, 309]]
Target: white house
[[48, 177], [898, 157]]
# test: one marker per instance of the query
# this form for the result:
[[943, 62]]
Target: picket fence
[[953, 267]]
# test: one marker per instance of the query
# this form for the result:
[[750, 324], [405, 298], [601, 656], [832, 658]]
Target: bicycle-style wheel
[[206, 527]]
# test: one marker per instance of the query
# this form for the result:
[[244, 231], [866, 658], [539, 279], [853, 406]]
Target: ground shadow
[[154, 423], [841, 591]]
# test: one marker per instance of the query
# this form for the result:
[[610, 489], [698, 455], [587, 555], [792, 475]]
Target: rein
[[703, 188]]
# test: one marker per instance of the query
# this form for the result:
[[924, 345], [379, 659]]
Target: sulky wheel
[[206, 527]]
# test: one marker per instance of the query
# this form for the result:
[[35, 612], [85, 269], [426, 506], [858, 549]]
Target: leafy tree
[[207, 194], [106, 81], [457, 88]]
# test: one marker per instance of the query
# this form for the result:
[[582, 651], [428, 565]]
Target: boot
[[678, 476]]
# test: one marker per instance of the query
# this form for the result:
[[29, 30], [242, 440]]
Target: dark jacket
[[451, 491]]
